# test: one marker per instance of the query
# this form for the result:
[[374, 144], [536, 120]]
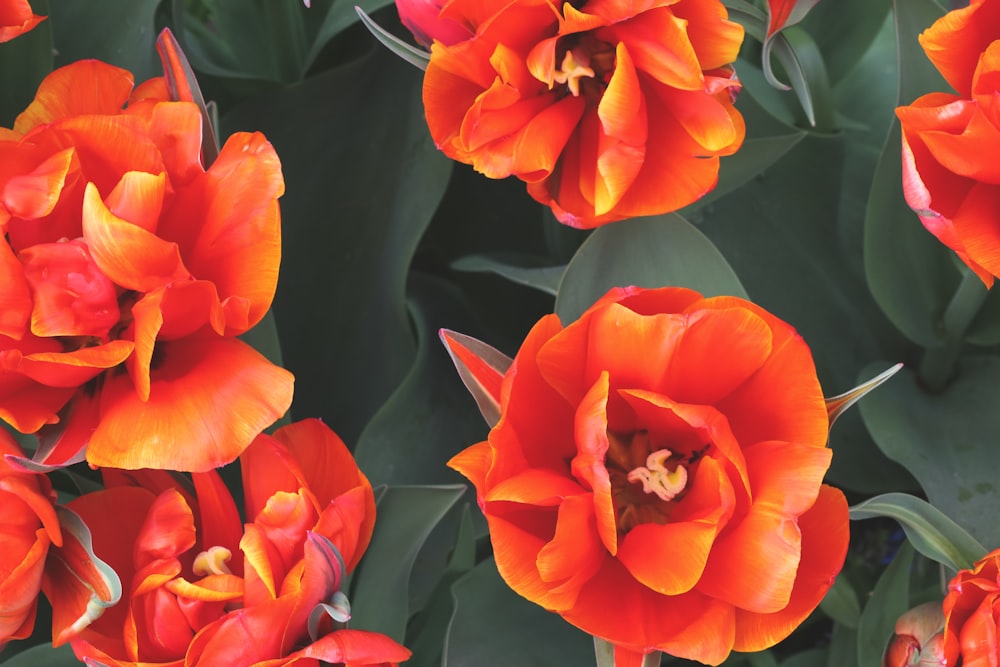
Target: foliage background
[[386, 241]]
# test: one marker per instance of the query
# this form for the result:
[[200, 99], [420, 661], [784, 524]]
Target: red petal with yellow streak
[[208, 399]]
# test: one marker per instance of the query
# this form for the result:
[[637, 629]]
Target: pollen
[[575, 65], [657, 479], [212, 561]]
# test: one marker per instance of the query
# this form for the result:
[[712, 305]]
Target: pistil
[[657, 479]]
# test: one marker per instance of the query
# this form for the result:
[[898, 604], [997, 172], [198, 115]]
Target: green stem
[[938, 363], [605, 653]]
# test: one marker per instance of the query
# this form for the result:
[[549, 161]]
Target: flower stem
[[605, 653], [938, 363]]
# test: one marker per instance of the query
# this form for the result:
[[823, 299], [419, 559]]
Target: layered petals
[[128, 266], [971, 613], [663, 457], [948, 178], [16, 18], [201, 588], [606, 111]]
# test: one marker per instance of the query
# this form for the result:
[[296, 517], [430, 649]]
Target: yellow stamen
[[574, 66], [656, 478], [212, 561]]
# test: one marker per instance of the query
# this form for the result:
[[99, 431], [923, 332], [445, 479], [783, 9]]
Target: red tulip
[[421, 17], [16, 18], [607, 110], [655, 473], [950, 178], [127, 269], [202, 589]]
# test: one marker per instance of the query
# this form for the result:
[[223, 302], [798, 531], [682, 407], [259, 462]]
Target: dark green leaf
[[843, 30], [380, 588], [44, 655], [911, 275], [946, 440], [889, 600], [930, 532], [364, 179], [409, 53], [119, 32], [812, 658], [841, 603], [522, 270], [647, 252], [492, 625], [340, 16]]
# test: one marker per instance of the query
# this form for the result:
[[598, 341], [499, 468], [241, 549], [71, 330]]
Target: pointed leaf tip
[[838, 405], [481, 368], [183, 86]]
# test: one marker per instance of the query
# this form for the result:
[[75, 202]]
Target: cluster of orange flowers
[[654, 471]]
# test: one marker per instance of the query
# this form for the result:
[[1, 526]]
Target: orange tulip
[[16, 18], [971, 612], [950, 177], [606, 109], [655, 473], [202, 589], [45, 549], [29, 525], [421, 18], [127, 269]]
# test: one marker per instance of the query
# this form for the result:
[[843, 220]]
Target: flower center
[[646, 483], [656, 478], [212, 561], [586, 66]]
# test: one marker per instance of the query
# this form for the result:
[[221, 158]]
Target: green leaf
[[646, 252], [43, 655], [380, 598], [528, 271], [119, 32], [784, 238], [889, 600], [248, 39], [843, 30], [364, 181], [415, 56], [930, 532], [800, 58], [340, 16], [841, 603], [946, 440], [910, 274], [812, 658], [843, 650], [430, 416], [492, 625], [24, 62]]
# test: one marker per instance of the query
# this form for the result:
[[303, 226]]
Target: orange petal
[[219, 521], [350, 647], [127, 253], [575, 553], [621, 146], [588, 466], [658, 43], [481, 368], [16, 18], [85, 87], [208, 399], [690, 625], [975, 225], [824, 545], [955, 41], [15, 298], [348, 521], [474, 462], [35, 194], [535, 486]]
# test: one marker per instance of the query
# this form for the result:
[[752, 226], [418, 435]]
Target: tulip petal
[[208, 399], [15, 298], [350, 647], [481, 368], [85, 87], [575, 553], [824, 531], [588, 466]]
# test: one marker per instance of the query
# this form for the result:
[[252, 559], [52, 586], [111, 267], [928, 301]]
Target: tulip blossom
[[44, 549], [606, 109], [971, 614], [918, 639], [16, 18], [654, 474], [127, 269], [202, 589], [421, 17], [950, 174]]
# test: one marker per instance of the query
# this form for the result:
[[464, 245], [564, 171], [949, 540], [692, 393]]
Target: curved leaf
[[930, 532]]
